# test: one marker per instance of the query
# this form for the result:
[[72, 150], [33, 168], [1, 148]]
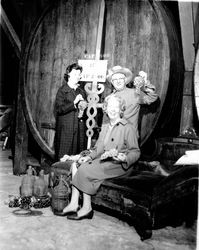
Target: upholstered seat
[[143, 195]]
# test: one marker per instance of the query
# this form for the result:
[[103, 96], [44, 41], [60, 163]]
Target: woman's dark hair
[[70, 68]]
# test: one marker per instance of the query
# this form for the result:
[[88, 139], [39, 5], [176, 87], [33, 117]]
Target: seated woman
[[115, 151]]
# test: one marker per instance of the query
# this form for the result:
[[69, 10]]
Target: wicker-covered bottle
[[60, 195]]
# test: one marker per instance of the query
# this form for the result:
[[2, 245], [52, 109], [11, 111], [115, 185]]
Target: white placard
[[93, 70], [191, 157]]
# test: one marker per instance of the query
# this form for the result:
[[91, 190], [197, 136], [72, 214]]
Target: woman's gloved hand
[[78, 98], [109, 154], [84, 159], [65, 158], [82, 105], [121, 157], [70, 158]]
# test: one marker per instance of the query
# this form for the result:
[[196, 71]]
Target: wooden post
[[21, 133], [196, 83], [187, 33], [99, 31], [93, 94], [21, 139], [187, 103], [195, 9]]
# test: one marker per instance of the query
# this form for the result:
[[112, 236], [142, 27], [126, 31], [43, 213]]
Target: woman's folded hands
[[114, 154], [121, 157]]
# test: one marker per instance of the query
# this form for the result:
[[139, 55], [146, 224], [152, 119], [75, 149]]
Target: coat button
[[112, 139]]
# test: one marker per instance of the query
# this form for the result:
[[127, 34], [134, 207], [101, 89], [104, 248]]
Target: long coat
[[70, 135], [133, 102], [91, 174]]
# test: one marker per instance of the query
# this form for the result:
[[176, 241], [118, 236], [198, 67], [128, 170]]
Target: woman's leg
[[73, 205], [73, 169], [85, 212], [86, 208]]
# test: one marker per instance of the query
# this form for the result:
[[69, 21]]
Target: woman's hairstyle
[[70, 68], [122, 103]]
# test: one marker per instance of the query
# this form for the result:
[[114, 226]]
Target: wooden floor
[[43, 230]]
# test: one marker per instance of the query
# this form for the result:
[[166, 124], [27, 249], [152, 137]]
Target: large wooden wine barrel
[[139, 35]]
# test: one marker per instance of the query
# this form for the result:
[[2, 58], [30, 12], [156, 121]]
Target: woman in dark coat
[[70, 136], [115, 151]]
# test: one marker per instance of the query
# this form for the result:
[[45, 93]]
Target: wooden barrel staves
[[137, 34], [196, 83]]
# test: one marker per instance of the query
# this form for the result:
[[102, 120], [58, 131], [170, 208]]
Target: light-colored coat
[[123, 137], [90, 175], [134, 101]]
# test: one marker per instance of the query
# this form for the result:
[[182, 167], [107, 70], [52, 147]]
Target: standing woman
[[70, 136]]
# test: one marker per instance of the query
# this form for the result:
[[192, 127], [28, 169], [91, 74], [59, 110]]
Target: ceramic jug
[[60, 194]]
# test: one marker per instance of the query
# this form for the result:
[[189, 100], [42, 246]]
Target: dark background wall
[[9, 61], [9, 71]]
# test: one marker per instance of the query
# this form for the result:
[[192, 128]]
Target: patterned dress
[[70, 136]]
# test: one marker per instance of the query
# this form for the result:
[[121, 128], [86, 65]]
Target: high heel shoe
[[61, 213], [89, 215]]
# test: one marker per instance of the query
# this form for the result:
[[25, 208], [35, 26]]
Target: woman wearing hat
[[115, 151], [142, 93]]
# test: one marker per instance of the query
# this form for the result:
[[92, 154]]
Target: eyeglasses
[[118, 80]]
